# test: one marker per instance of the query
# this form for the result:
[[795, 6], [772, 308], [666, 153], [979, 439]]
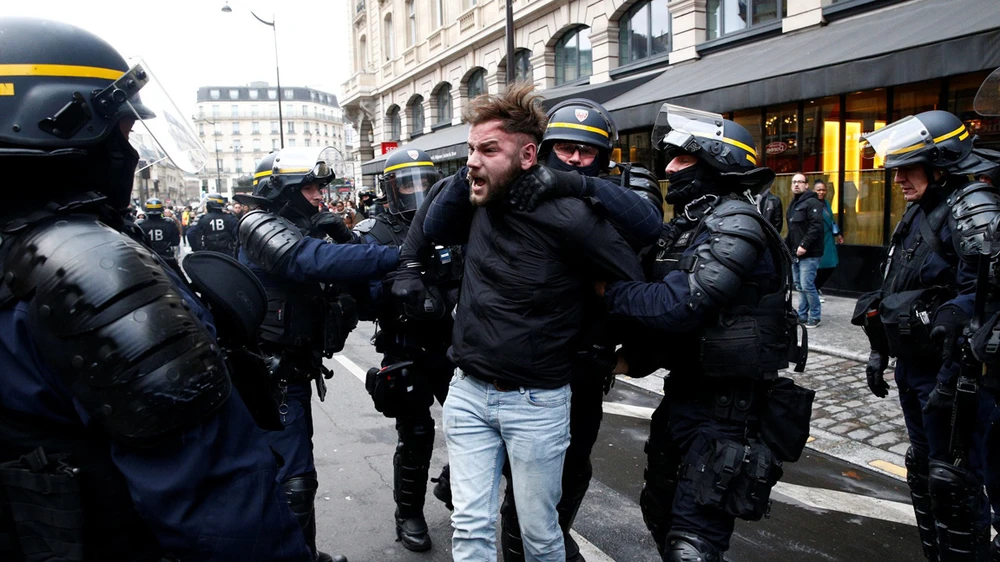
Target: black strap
[[931, 225]]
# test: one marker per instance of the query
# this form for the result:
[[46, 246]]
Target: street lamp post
[[277, 70], [218, 161]]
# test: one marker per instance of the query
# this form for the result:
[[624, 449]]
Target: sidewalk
[[848, 421]]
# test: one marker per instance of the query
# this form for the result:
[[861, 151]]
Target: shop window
[[781, 139], [636, 148], [417, 117], [395, 128], [864, 180], [728, 16], [821, 146], [961, 92], [477, 84], [574, 57], [444, 104], [644, 31]]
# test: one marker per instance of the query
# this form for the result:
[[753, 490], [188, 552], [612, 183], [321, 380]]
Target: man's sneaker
[[821, 299], [813, 324]]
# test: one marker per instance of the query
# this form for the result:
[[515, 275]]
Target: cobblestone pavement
[[845, 408]]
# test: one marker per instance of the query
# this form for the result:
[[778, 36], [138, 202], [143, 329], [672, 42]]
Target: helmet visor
[[677, 126], [313, 166], [407, 187], [899, 139], [161, 132], [987, 102]]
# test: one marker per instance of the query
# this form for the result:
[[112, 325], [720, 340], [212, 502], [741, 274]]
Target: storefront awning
[[903, 43], [599, 93], [442, 145]]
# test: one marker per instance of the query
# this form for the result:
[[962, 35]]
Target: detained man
[[516, 329]]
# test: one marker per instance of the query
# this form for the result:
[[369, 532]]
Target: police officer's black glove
[[541, 183], [949, 322], [877, 364], [943, 397], [408, 288], [333, 226]]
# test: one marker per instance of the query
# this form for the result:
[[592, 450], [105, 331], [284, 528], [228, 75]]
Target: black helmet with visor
[[280, 174], [408, 175], [936, 139], [154, 207]]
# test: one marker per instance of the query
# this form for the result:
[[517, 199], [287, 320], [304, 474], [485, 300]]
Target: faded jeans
[[482, 425], [804, 275]]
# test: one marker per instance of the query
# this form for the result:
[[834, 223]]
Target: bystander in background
[[831, 237]]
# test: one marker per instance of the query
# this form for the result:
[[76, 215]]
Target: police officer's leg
[[961, 509], [410, 465], [992, 477], [660, 476], [917, 457], [584, 425], [297, 473]]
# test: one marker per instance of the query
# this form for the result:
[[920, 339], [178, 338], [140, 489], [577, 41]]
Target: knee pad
[[957, 501], [301, 493], [687, 547]]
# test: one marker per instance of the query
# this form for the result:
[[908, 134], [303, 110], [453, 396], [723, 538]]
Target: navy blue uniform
[[209, 493], [214, 231]]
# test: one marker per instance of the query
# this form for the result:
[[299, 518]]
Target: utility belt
[[732, 476], [900, 323], [321, 322]]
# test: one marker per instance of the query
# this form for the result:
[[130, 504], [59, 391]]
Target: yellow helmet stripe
[[60, 70], [155, 206], [733, 142], [294, 170], [407, 165], [963, 134], [752, 159], [601, 132], [262, 174]]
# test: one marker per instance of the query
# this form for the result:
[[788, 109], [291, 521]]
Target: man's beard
[[496, 188]]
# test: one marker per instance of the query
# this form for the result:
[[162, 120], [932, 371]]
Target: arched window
[[395, 128], [522, 66], [417, 116], [388, 39], [574, 58], [363, 54], [644, 31], [477, 83], [444, 104]]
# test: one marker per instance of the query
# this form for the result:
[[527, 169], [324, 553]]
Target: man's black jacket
[[805, 225], [770, 208], [527, 276]]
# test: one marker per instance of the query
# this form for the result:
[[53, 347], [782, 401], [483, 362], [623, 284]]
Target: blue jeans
[[804, 275], [482, 426]]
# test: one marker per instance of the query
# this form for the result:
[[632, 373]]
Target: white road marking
[[351, 366], [845, 502], [619, 409], [588, 550]]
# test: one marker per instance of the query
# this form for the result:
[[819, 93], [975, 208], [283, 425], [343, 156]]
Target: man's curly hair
[[519, 110]]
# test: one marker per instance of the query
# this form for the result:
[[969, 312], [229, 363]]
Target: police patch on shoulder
[[413, 154], [683, 239], [581, 115], [364, 226]]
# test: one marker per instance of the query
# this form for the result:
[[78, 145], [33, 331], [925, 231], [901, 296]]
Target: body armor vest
[[216, 233], [902, 272], [747, 339], [158, 235]]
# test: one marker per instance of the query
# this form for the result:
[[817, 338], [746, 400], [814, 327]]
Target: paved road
[[824, 508]]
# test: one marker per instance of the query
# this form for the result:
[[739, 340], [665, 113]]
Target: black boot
[[957, 499], [410, 464], [575, 484], [916, 478], [301, 494], [995, 549], [442, 487]]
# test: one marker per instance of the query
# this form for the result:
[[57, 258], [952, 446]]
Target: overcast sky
[[192, 43]]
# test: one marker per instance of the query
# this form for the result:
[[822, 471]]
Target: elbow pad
[[267, 238], [736, 241]]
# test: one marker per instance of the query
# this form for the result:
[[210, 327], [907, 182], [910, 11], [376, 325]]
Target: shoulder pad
[[973, 208], [115, 327], [736, 239], [267, 238], [365, 226]]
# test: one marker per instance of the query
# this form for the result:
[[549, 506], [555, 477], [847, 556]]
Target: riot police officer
[[120, 438], [215, 230], [413, 337], [931, 258], [579, 137], [721, 284], [286, 243], [163, 234]]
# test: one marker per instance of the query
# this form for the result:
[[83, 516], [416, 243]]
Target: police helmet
[[582, 121], [282, 173], [723, 144], [214, 202], [154, 207], [407, 177], [63, 87], [936, 139]]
